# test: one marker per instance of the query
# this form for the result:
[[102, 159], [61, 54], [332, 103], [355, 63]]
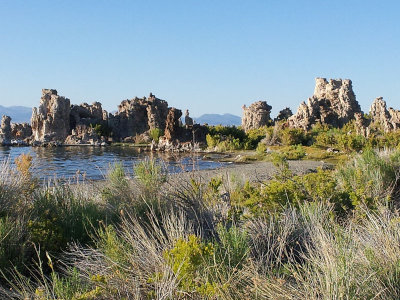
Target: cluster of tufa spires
[[56, 121]]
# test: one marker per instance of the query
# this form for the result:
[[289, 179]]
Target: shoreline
[[257, 171]]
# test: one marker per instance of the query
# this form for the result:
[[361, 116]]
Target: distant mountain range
[[216, 119], [18, 114]]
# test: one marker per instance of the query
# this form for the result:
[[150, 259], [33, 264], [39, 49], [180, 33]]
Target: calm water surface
[[93, 162]]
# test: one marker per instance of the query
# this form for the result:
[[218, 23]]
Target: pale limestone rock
[[21, 131], [256, 115], [333, 103], [388, 119], [5, 131], [50, 122], [137, 116], [362, 125]]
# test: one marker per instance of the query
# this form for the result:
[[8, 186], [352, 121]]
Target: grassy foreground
[[329, 234]]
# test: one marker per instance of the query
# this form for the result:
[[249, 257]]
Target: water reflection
[[64, 162]]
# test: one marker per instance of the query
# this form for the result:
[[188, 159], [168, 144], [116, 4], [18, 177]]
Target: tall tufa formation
[[139, 115], [188, 119], [388, 119], [84, 119], [5, 131], [51, 121], [173, 124], [333, 103], [284, 114], [256, 115]]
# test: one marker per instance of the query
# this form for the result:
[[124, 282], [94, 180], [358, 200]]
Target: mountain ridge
[[18, 114], [219, 119]]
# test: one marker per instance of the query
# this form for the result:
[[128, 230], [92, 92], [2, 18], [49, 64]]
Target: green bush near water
[[155, 134], [344, 139]]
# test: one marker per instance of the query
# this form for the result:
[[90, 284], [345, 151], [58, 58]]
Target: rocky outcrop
[[172, 126], [51, 121], [256, 115], [5, 131], [136, 116], [362, 124], [21, 131], [284, 114], [85, 135], [188, 138], [56, 122], [86, 114], [333, 103], [388, 119], [188, 120], [88, 123]]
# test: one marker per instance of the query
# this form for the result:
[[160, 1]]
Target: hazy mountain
[[18, 114], [216, 119]]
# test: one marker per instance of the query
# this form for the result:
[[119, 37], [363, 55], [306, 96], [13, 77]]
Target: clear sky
[[207, 56]]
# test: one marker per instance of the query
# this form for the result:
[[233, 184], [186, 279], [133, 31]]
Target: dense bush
[[292, 136], [345, 139], [294, 152], [101, 129], [60, 215], [254, 137], [228, 138], [370, 177]]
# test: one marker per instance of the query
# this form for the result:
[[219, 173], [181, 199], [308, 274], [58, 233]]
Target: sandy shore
[[255, 171]]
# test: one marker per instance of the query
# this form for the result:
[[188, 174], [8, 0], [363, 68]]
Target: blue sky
[[207, 56]]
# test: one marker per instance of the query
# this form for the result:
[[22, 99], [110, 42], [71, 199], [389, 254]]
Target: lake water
[[93, 162]]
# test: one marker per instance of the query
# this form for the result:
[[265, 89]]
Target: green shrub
[[59, 216], [101, 129], [292, 136], [225, 138], [14, 245], [254, 137], [261, 148], [247, 200], [294, 152], [188, 258], [226, 131], [325, 139], [151, 174], [350, 142], [288, 189], [229, 144], [155, 134], [232, 247], [108, 241], [212, 141], [370, 177]]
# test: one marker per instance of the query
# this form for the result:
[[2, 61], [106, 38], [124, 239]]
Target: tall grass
[[148, 237], [371, 177]]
